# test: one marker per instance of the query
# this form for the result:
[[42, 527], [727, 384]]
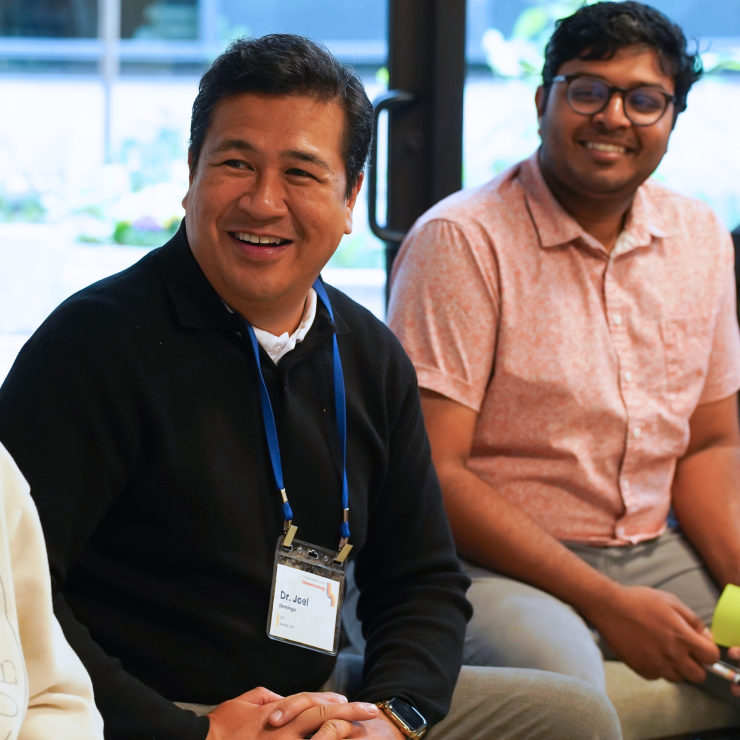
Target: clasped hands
[[260, 714]]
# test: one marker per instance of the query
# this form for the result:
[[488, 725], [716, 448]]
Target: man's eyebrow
[[245, 146], [229, 144], [305, 157], [656, 85]]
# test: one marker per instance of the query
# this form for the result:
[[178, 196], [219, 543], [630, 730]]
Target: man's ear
[[351, 200], [540, 100], [191, 166], [191, 175]]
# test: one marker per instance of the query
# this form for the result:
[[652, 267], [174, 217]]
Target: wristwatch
[[406, 717]]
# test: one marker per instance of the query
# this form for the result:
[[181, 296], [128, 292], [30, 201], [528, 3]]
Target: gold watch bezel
[[399, 722]]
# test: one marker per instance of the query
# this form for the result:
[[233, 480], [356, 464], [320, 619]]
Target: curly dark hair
[[598, 31], [286, 64]]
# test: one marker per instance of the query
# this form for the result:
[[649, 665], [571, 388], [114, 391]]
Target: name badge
[[307, 596]]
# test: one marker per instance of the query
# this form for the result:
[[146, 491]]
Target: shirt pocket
[[687, 343]]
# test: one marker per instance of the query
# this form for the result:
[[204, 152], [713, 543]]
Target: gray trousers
[[502, 704], [509, 704], [496, 703], [515, 624]]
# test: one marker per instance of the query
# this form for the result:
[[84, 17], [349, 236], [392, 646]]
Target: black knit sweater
[[134, 414]]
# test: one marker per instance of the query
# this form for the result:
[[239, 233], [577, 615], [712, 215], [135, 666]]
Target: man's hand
[[734, 654], [655, 634], [379, 728], [323, 715]]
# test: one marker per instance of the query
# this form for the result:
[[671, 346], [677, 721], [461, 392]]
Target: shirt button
[[617, 320], [637, 432], [628, 376]]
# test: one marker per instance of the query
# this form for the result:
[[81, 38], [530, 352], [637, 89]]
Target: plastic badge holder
[[307, 597]]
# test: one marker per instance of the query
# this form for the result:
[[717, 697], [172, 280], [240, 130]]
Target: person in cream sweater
[[45, 692]]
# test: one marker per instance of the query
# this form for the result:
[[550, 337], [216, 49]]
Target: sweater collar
[[197, 304]]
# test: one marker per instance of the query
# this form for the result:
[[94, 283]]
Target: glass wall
[[94, 131], [95, 117], [505, 45], [57, 19]]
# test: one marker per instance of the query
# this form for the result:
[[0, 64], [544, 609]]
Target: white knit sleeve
[[53, 684]]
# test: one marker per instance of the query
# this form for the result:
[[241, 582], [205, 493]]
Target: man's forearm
[[412, 606], [491, 531], [651, 631], [131, 710], [706, 501]]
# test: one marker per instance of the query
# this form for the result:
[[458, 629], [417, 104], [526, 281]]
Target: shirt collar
[[556, 227], [277, 347], [644, 220]]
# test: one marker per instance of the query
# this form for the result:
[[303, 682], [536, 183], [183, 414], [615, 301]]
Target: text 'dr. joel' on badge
[[307, 596]]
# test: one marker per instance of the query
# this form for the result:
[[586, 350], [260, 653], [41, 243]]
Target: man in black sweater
[[175, 421]]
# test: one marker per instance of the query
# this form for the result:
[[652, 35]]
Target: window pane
[[49, 18], [326, 19], [159, 19], [68, 217]]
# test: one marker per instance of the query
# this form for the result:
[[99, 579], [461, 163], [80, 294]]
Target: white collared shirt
[[276, 347]]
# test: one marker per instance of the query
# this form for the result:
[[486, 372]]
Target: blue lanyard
[[340, 404]]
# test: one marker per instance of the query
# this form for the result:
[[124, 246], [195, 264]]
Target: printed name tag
[[307, 595]]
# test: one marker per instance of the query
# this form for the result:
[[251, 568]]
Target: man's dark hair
[[285, 64], [599, 31]]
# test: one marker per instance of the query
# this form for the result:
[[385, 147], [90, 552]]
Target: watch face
[[411, 717]]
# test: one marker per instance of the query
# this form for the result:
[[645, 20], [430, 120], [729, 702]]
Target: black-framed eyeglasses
[[589, 95]]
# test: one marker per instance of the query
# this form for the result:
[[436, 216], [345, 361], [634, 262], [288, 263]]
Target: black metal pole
[[426, 58]]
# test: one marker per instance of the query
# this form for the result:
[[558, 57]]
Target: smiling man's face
[[604, 154], [267, 204]]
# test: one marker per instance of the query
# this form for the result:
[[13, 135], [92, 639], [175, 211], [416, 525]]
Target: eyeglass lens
[[643, 105]]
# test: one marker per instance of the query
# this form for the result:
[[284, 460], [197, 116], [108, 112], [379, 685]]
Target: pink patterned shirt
[[584, 366]]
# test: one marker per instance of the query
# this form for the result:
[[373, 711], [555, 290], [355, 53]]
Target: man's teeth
[[600, 147], [254, 239]]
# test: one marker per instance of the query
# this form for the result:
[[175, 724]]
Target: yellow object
[[726, 622]]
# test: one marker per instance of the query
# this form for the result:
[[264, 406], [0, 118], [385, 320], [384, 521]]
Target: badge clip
[[289, 535], [343, 552]]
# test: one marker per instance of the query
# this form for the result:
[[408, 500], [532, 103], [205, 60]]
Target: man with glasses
[[573, 328]]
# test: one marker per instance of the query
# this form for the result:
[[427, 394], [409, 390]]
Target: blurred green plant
[[26, 207], [144, 233], [358, 250], [523, 54], [724, 61], [150, 162], [92, 209], [90, 239]]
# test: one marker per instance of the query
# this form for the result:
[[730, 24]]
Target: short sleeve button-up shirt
[[584, 366]]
